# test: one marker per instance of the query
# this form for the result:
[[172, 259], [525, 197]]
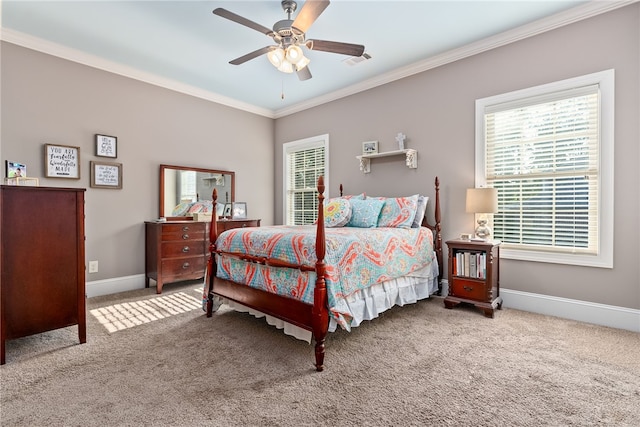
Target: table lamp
[[482, 201]]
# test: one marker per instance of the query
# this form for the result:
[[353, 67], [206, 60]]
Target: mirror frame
[[195, 169]]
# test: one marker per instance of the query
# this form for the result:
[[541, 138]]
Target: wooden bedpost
[[212, 266], [320, 311], [438, 237]]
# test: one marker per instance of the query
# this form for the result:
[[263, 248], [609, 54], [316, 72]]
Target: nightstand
[[474, 274]]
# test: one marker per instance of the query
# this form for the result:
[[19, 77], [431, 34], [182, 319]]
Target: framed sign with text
[[106, 146], [61, 161], [106, 175]]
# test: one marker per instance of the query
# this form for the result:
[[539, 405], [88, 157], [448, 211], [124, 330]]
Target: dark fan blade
[[309, 13], [251, 55], [336, 47], [304, 74], [242, 21]]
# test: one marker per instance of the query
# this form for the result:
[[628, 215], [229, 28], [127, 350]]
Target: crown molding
[[578, 13], [74, 55], [553, 22]]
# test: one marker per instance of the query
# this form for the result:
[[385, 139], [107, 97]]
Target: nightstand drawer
[[469, 289]]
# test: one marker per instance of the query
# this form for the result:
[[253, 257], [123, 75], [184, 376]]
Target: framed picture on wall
[[106, 146], [61, 161], [106, 175]]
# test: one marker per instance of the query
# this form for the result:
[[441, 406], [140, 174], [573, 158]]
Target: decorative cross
[[400, 138]]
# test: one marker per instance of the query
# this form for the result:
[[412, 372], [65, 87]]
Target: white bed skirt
[[364, 305]]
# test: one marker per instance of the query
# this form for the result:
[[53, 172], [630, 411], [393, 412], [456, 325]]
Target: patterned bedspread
[[356, 258]]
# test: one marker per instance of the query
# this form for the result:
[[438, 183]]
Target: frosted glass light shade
[[276, 57]]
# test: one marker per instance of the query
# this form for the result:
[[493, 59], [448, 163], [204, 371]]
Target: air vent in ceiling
[[353, 60]]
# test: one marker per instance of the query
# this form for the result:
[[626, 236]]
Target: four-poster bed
[[419, 250]]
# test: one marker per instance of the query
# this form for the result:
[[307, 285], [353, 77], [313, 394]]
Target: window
[[187, 186], [548, 151], [304, 161]]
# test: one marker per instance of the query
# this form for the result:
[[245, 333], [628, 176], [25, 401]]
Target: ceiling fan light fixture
[[294, 54], [286, 67], [276, 57], [304, 61]]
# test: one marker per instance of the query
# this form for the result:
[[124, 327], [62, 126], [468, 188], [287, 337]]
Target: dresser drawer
[[224, 225], [469, 289], [172, 232], [183, 249], [183, 267]]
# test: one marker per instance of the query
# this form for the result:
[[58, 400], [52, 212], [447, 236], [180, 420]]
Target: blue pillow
[[365, 213]]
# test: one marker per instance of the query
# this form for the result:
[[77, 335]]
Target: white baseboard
[[115, 285], [582, 311]]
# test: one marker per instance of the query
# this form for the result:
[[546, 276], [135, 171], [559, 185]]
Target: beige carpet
[[416, 365]]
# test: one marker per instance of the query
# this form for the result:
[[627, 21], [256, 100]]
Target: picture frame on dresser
[[106, 146], [226, 213], [61, 161], [106, 175], [239, 210]]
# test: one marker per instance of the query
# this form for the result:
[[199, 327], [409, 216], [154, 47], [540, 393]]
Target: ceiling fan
[[289, 35]]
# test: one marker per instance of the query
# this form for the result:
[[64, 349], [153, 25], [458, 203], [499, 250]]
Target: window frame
[[302, 145], [605, 204]]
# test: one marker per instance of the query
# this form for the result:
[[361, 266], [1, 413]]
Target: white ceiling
[[183, 46]]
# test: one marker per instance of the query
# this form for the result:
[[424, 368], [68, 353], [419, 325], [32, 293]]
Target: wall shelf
[[411, 158]]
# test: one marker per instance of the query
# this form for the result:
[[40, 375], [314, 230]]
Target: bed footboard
[[314, 318]]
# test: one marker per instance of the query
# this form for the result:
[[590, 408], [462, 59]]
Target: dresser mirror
[[183, 184]]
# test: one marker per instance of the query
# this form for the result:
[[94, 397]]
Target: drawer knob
[[467, 288], [185, 265], [185, 249], [244, 225], [185, 237], [185, 228]]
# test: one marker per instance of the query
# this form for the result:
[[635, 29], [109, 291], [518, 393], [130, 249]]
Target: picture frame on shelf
[[61, 161], [106, 146], [106, 175], [369, 147], [239, 210], [15, 169]]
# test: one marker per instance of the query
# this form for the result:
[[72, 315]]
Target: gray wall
[[435, 109], [50, 100]]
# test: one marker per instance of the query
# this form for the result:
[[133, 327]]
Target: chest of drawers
[[175, 251]]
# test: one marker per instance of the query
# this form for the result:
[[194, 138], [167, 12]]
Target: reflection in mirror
[[182, 185]]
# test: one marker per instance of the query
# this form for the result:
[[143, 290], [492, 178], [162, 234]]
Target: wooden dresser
[[179, 250], [42, 286]]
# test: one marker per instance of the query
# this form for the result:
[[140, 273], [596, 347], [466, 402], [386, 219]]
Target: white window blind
[[543, 160], [188, 190], [545, 155], [305, 161]]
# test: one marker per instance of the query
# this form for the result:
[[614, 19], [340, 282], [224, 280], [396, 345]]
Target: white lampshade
[[482, 200]]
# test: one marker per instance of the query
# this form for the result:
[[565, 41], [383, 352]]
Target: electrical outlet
[[93, 266]]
